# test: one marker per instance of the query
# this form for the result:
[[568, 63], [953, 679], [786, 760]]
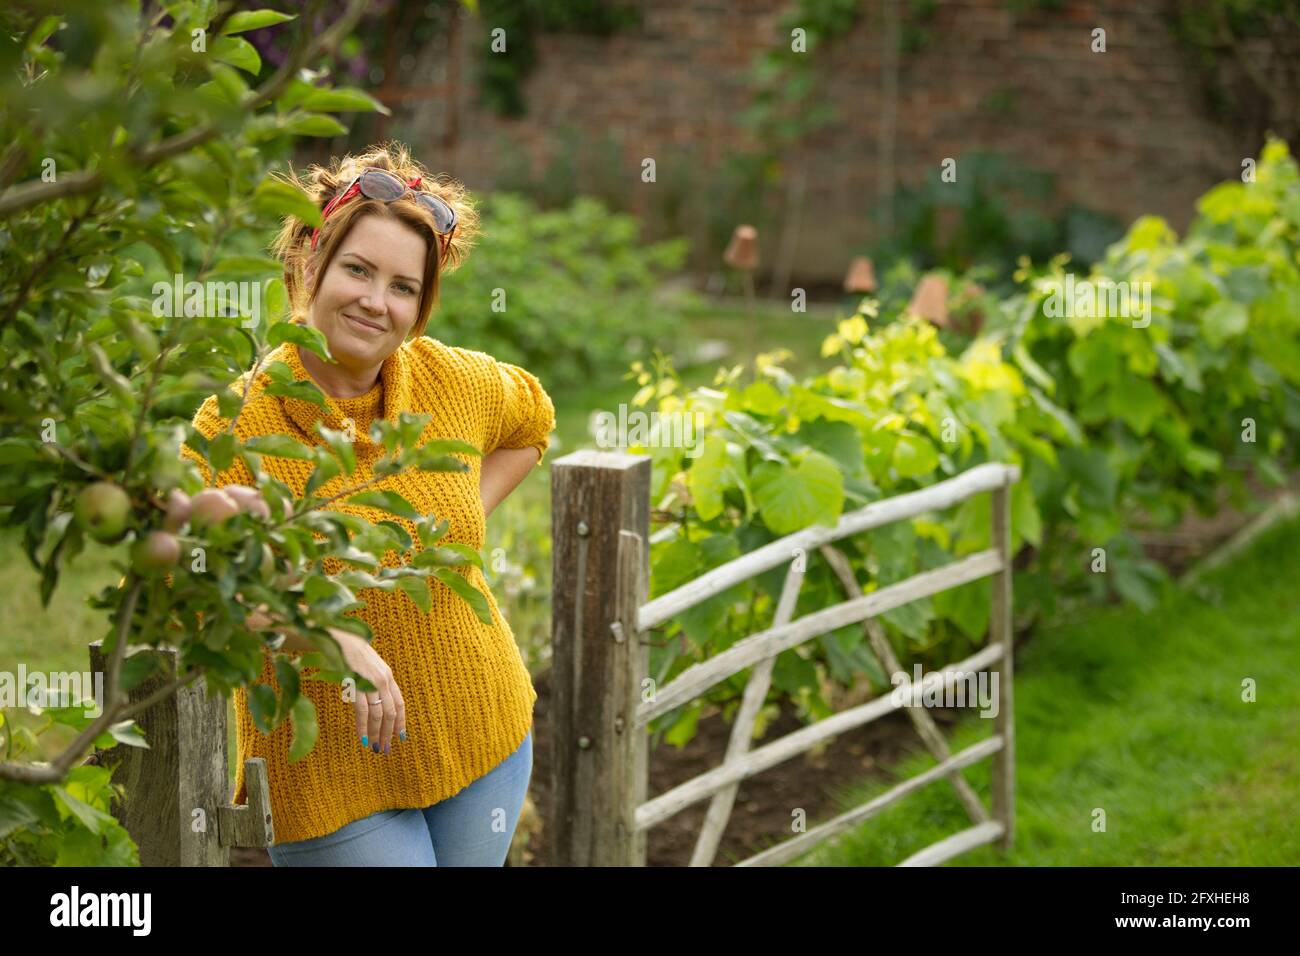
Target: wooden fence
[[178, 808], [603, 700]]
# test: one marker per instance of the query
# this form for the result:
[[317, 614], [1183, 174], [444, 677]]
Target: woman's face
[[369, 296]]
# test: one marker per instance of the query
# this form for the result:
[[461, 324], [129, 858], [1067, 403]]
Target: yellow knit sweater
[[469, 698]]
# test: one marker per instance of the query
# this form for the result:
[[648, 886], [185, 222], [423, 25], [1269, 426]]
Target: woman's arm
[[501, 471]]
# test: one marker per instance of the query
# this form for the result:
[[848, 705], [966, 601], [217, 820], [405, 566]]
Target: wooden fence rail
[[604, 700]]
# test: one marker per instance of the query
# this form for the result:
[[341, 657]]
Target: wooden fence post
[[1001, 629], [600, 524], [185, 769]]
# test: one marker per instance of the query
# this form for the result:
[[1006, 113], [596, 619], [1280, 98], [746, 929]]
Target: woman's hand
[[381, 713], [376, 722]]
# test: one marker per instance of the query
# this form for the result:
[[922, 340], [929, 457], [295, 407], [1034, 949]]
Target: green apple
[[103, 510]]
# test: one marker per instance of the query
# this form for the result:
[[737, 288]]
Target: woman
[[430, 769]]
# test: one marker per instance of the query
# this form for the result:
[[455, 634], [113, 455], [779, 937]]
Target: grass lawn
[[1139, 715]]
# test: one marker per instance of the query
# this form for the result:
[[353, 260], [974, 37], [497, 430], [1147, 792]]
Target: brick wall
[[1125, 132]]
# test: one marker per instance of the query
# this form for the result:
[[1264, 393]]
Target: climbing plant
[[1246, 51], [507, 59]]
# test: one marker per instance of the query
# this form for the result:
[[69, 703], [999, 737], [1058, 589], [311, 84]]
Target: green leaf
[[326, 469], [762, 398], [361, 580], [403, 538], [308, 336], [1136, 402], [914, 456], [238, 52], [15, 814], [243, 267], [277, 302], [417, 588], [92, 818], [1095, 362], [314, 124], [116, 383], [343, 100], [431, 531], [127, 732], [967, 607], [683, 730], [1092, 470], [791, 497], [467, 591], [389, 501], [466, 553], [305, 728], [755, 434], [1133, 587], [247, 20], [450, 446], [302, 390], [972, 528], [706, 479], [339, 444], [221, 451], [912, 620], [448, 555], [226, 85], [281, 199], [279, 446], [839, 440], [262, 706], [1026, 523], [14, 451], [421, 460], [1223, 320], [1031, 368], [278, 372]]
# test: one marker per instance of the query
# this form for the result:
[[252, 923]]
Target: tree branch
[[30, 193]]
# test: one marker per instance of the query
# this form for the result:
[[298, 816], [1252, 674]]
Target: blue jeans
[[472, 828]]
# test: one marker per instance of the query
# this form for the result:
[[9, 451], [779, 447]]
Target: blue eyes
[[409, 290]]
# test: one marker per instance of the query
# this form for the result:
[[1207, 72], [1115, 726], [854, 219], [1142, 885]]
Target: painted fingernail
[[365, 740], [402, 736], [375, 746]]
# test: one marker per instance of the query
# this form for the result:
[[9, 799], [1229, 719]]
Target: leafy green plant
[[69, 823], [896, 413], [1240, 49], [1118, 423], [126, 136], [502, 72], [1208, 392]]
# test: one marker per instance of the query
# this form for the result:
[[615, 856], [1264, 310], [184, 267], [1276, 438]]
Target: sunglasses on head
[[382, 185]]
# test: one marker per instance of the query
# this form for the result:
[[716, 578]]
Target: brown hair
[[293, 244]]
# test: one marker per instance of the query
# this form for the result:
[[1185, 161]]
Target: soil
[[761, 814]]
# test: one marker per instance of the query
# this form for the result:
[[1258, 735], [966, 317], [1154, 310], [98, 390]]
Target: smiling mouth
[[365, 323]]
